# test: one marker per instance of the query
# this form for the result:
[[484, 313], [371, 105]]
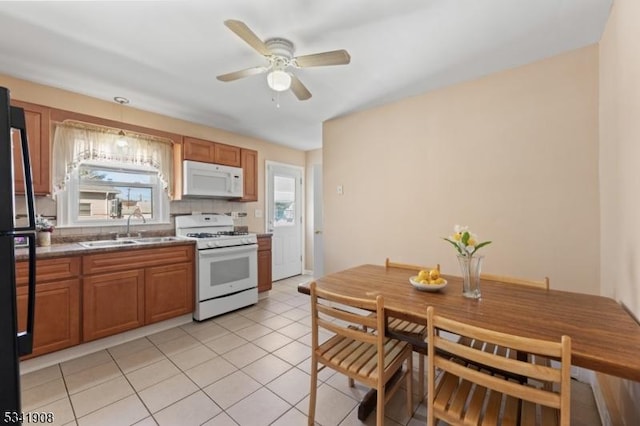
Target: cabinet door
[[249, 162], [264, 270], [199, 150], [227, 155], [112, 303], [136, 259], [38, 120], [168, 292], [57, 316], [49, 269]]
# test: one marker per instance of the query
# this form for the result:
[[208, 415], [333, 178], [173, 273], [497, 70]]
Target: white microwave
[[211, 180]]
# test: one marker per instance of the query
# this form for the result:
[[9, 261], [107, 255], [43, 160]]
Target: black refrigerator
[[14, 342]]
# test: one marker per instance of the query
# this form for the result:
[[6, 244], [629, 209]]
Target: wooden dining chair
[[411, 329], [369, 358], [477, 387], [478, 344]]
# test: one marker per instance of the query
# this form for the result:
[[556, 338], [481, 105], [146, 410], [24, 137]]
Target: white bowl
[[426, 287]]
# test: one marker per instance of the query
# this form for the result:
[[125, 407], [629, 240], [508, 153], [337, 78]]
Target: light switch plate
[[258, 213], [340, 190]]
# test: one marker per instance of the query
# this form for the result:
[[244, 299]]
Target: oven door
[[228, 270]]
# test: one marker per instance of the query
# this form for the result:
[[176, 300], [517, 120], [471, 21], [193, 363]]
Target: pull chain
[[276, 98]]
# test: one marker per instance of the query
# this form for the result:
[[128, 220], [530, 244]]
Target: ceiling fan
[[279, 54]]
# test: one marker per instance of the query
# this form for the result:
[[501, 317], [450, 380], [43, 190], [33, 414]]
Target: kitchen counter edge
[[73, 249]]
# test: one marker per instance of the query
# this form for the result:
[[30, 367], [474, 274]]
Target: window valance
[[74, 142]]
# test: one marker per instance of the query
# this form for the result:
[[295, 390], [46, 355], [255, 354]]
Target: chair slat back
[[340, 321], [543, 284], [389, 264], [447, 355]]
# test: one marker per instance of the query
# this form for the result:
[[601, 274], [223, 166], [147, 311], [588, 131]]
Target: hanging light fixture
[[121, 141]]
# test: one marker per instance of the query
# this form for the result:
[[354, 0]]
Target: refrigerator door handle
[[25, 338], [18, 121]]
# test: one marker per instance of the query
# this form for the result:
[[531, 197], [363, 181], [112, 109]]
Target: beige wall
[[514, 155], [313, 158], [49, 96], [620, 174]]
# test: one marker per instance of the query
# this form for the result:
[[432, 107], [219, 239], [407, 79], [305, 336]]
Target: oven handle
[[227, 250]]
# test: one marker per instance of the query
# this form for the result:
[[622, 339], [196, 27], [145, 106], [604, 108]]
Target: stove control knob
[[218, 243], [209, 244], [244, 241]]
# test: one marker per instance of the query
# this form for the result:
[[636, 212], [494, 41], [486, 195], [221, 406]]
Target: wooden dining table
[[604, 336]]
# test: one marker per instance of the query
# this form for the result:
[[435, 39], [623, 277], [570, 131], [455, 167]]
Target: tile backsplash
[[46, 206]]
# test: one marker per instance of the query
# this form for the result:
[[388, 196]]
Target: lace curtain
[[75, 142]]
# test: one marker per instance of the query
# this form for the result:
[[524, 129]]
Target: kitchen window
[[101, 176]]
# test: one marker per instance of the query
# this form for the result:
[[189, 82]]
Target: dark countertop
[[75, 249]]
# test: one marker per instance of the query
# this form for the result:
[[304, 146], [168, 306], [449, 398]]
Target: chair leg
[[313, 392], [410, 385], [380, 404], [352, 382], [421, 376]]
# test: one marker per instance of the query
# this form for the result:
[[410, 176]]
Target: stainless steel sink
[[107, 243], [127, 242], [156, 239]]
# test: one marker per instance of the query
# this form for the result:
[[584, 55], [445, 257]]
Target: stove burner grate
[[231, 233], [202, 235]]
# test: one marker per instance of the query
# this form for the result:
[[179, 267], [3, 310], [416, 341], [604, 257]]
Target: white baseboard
[[307, 272], [87, 348]]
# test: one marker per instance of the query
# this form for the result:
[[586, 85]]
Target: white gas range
[[226, 264]]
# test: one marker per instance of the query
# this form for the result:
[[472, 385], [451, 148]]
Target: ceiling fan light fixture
[[279, 80]]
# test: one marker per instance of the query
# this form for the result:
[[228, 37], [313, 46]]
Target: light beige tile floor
[[249, 368]]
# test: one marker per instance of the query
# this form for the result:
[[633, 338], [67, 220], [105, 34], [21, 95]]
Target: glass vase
[[470, 268]]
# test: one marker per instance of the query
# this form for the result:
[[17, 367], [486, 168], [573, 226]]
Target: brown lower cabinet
[[112, 303], [84, 298], [128, 289], [264, 263], [57, 314], [168, 292]]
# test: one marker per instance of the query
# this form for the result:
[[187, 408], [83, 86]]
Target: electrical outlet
[[258, 213]]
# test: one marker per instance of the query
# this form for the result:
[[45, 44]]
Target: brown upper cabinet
[[211, 152], [38, 132], [249, 161]]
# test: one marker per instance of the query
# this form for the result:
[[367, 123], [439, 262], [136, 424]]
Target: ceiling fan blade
[[335, 57], [242, 31], [241, 74], [298, 89]]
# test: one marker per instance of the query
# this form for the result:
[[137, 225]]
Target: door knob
[[318, 232]]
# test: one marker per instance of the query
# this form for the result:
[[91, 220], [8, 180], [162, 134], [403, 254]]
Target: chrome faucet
[[137, 213]]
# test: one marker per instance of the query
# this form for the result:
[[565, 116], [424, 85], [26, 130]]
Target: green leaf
[[454, 244], [465, 238], [482, 245]]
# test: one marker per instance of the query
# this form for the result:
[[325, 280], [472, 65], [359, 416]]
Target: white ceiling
[[164, 56]]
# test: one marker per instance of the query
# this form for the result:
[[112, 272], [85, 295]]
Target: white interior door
[[318, 244], [284, 218]]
